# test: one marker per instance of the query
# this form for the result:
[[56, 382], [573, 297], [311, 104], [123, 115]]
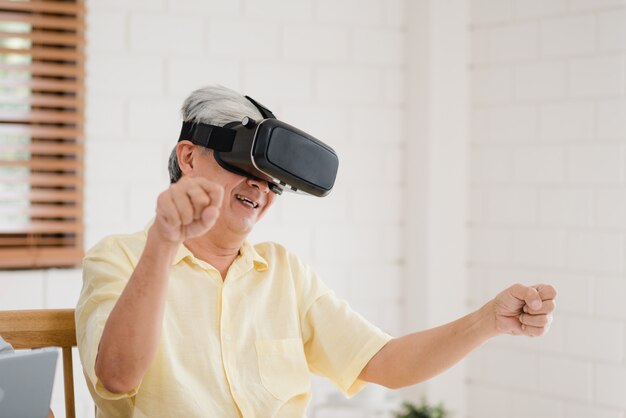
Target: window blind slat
[[46, 69], [42, 240], [54, 148], [44, 22], [53, 54], [44, 101], [45, 38], [43, 211], [41, 195], [41, 117], [39, 164], [68, 86], [42, 180], [43, 6], [43, 227], [40, 257], [39, 132]]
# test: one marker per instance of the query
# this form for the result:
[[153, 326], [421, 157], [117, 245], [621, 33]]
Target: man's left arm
[[413, 358]]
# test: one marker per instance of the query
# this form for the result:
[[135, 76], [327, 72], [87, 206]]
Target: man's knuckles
[[546, 291], [531, 331], [546, 307], [536, 320], [209, 216], [199, 198]]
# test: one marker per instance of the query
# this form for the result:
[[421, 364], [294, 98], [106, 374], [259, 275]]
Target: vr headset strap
[[208, 136], [216, 137], [265, 112]]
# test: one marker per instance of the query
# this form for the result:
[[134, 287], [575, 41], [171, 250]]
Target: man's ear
[[184, 153]]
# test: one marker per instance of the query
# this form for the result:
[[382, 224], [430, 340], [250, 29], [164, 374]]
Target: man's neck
[[220, 253]]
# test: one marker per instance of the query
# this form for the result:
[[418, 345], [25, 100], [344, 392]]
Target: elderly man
[[188, 319]]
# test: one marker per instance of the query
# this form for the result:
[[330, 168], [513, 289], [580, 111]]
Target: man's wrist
[[159, 247], [487, 319]]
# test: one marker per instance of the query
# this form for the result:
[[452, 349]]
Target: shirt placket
[[229, 355]]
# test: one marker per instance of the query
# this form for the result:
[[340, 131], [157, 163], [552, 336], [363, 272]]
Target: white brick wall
[[579, 125], [539, 8], [547, 184], [166, 33], [566, 207], [506, 124], [315, 43], [539, 165], [513, 42], [492, 84], [611, 123], [599, 76], [333, 68], [611, 31], [568, 35], [540, 80]]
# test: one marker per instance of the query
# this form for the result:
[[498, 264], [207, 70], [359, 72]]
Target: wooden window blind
[[41, 132]]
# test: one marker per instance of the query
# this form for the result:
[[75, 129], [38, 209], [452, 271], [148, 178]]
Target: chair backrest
[[44, 328]]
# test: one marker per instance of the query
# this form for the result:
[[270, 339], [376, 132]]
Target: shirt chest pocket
[[282, 367]]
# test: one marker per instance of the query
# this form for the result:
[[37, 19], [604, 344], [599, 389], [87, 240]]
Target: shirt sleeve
[[106, 270], [338, 342]]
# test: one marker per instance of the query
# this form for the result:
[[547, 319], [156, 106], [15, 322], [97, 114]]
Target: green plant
[[424, 410]]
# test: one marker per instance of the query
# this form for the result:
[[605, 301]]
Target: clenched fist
[[187, 209], [524, 310]]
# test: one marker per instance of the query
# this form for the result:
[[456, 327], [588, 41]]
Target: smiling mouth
[[247, 201]]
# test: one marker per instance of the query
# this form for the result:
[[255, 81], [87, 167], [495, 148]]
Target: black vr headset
[[269, 150]]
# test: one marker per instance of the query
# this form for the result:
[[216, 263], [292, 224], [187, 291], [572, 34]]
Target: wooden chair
[[44, 328]]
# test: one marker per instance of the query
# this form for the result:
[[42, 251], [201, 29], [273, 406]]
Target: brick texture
[[547, 174]]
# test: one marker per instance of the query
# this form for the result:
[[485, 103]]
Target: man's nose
[[259, 184]]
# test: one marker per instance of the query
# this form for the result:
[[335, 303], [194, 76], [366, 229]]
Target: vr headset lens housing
[[270, 150]]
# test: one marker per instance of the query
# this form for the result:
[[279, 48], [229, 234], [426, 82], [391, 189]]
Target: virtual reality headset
[[270, 150]]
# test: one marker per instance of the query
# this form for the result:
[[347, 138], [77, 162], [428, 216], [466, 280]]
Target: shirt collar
[[247, 259], [181, 254], [247, 254]]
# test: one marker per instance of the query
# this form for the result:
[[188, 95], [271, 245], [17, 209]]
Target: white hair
[[213, 105]]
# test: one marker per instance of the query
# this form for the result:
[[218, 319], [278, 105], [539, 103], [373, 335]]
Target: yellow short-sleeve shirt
[[237, 347]]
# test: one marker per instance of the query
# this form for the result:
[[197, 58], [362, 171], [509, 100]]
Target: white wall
[[548, 203], [436, 172], [333, 68]]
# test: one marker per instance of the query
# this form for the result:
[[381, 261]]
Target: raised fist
[[187, 209]]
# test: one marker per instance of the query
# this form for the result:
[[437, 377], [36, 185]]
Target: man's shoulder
[[274, 252], [269, 248], [286, 266]]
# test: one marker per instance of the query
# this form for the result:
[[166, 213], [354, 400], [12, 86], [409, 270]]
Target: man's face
[[245, 200]]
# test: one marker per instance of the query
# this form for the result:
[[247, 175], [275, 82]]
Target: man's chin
[[243, 226]]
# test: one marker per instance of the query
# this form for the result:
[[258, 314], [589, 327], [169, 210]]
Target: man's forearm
[[133, 329], [416, 357]]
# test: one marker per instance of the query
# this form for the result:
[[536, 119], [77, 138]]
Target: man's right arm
[[133, 329], [132, 332]]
